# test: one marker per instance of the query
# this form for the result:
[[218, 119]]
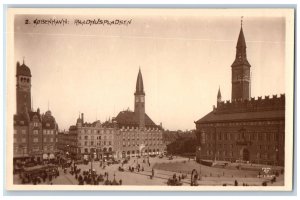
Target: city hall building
[[130, 133], [137, 134], [244, 129]]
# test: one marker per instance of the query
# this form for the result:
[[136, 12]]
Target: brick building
[[243, 129], [130, 133], [137, 133], [35, 134]]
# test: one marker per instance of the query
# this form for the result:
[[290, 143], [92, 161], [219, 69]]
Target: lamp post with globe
[[93, 154]]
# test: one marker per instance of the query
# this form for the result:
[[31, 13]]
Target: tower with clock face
[[139, 100], [240, 71], [23, 88]]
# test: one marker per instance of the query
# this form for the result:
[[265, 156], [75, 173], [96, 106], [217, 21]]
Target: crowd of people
[[84, 177], [39, 176], [91, 177]]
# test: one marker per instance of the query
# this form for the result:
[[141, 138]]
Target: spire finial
[[242, 21]]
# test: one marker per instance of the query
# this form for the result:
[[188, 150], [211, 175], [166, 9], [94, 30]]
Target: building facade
[[137, 134], [244, 129], [35, 134], [86, 139], [130, 133]]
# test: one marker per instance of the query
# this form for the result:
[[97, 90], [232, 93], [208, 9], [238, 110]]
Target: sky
[[184, 57]]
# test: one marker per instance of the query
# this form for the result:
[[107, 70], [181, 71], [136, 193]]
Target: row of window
[[246, 123], [137, 128], [24, 79], [231, 154], [137, 143], [243, 136], [36, 132], [231, 146], [86, 137], [24, 149], [35, 139], [92, 143], [142, 138], [134, 134], [22, 131], [102, 131], [111, 131], [20, 150], [86, 150]]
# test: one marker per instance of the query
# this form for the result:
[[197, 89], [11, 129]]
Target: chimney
[[82, 119]]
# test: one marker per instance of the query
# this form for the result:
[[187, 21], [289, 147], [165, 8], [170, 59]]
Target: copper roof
[[213, 117], [139, 84], [129, 118], [23, 70]]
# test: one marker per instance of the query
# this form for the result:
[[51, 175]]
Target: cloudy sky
[[184, 57]]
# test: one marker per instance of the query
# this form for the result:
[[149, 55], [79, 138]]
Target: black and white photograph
[[150, 99]]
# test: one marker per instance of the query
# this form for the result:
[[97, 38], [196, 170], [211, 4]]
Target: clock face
[[136, 99], [142, 99]]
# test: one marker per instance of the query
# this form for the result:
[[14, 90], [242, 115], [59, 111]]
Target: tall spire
[[241, 41], [139, 101], [241, 54], [240, 70], [219, 94], [23, 60], [139, 84]]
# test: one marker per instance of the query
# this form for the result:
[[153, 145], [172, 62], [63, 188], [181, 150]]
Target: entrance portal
[[246, 155]]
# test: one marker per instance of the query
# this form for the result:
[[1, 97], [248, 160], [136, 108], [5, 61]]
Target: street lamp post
[[276, 159], [92, 157]]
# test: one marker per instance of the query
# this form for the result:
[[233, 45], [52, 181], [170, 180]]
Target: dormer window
[[47, 125]]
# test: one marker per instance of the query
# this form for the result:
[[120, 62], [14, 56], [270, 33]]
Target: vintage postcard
[[149, 99]]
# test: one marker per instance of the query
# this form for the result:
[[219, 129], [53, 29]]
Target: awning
[[45, 156]]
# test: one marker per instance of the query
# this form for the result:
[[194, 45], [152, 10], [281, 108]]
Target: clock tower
[[240, 68], [139, 100], [23, 88]]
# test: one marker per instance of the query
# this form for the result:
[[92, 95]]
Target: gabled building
[[35, 134], [85, 139]]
